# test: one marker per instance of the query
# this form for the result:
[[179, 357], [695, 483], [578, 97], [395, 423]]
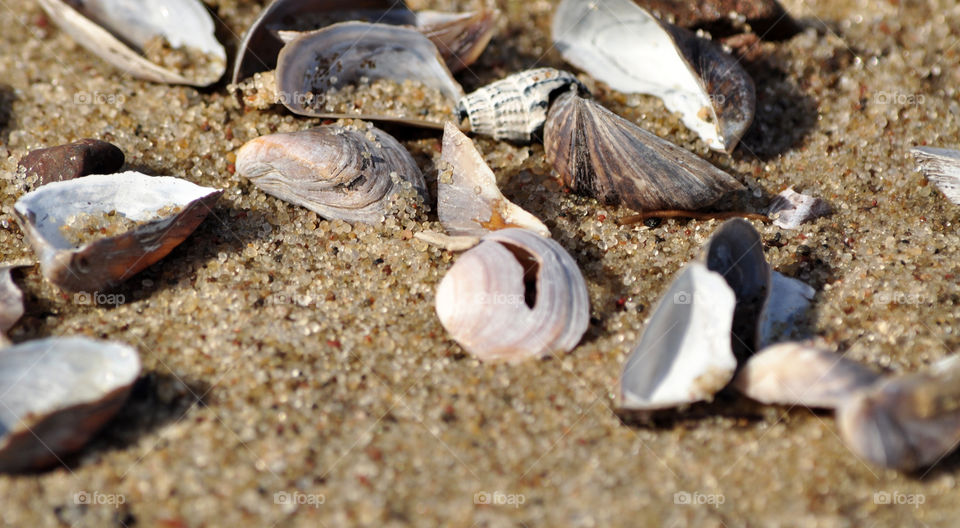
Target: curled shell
[[623, 45], [339, 172], [706, 321], [515, 108], [598, 153], [324, 73], [56, 393], [468, 199], [515, 296], [942, 167], [167, 41], [906, 422], [684, 354], [95, 232], [798, 374], [459, 37]]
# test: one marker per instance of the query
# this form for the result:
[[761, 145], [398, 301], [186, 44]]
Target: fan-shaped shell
[[598, 153], [515, 296]]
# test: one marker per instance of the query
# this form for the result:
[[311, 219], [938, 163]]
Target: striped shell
[[515, 108]]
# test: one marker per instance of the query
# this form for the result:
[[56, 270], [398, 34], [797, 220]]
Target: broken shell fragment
[[339, 172], [11, 300], [459, 37], [468, 199], [684, 355], [623, 45], [73, 160], [515, 108], [167, 41], [334, 72], [906, 422], [56, 393], [598, 153], [942, 167], [515, 296], [784, 310], [790, 209], [95, 232], [798, 374]]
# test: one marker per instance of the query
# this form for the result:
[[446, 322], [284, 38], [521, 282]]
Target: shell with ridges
[[339, 172], [598, 153], [515, 108], [515, 296]]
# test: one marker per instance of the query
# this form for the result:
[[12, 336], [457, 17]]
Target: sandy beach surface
[[295, 372]]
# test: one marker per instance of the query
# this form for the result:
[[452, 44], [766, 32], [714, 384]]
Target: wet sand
[[292, 359]]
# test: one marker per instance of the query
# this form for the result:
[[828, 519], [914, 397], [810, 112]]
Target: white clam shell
[[469, 203], [486, 304], [684, 355], [108, 261], [942, 167], [11, 300], [799, 374], [515, 108], [105, 27], [55, 393], [338, 172], [623, 45], [905, 422]]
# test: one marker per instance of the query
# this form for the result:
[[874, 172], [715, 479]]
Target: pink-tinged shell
[[515, 296]]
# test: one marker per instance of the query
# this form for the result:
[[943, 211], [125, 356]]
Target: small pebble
[[73, 160]]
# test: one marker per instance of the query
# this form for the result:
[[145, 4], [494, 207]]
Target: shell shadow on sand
[[7, 99]]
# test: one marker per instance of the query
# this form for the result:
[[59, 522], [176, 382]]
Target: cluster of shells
[[514, 293]]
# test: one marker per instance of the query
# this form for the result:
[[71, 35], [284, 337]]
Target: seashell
[[167, 41], [11, 301], [598, 153], [942, 167], [766, 18], [785, 308], [459, 37], [735, 251], [320, 72], [468, 199], [515, 108], [73, 160], [515, 296], [707, 319], [448, 242], [623, 45], [906, 422], [790, 209], [684, 354], [338, 172], [95, 232], [798, 374], [56, 393]]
